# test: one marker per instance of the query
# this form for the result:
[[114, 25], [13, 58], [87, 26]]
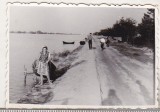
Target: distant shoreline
[[40, 32]]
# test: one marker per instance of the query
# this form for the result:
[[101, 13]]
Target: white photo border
[[62, 4]]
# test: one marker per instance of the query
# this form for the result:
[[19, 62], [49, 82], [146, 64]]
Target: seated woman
[[43, 68]]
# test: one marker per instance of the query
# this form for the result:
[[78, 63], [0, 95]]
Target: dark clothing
[[90, 44], [52, 69], [54, 73], [102, 45], [107, 42], [90, 41]]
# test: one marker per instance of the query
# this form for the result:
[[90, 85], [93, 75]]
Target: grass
[[131, 52]]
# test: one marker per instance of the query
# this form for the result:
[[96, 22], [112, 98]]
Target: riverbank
[[71, 88], [37, 94]]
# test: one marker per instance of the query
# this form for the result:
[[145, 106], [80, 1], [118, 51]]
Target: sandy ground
[[105, 77]]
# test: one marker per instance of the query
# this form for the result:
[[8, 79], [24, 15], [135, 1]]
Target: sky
[[78, 20]]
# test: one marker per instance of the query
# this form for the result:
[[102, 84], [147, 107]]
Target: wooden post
[[25, 75]]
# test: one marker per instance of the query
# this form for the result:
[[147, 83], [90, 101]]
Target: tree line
[[142, 34], [41, 32]]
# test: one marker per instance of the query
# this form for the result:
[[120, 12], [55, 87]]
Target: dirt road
[[122, 80]]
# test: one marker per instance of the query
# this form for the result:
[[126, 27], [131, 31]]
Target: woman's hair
[[45, 47]]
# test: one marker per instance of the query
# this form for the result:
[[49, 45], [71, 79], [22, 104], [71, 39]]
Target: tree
[[125, 28], [39, 32], [147, 28]]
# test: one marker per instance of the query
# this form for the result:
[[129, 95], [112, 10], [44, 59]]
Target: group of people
[[103, 41]]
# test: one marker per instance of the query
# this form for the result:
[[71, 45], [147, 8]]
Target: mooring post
[[25, 75]]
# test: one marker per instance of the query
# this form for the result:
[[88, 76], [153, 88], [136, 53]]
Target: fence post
[[25, 75]]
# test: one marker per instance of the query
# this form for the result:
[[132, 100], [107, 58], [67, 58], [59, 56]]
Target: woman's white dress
[[43, 64]]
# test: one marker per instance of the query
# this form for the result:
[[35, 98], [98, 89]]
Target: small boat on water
[[68, 42]]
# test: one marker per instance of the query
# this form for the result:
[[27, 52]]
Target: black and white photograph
[[84, 56]]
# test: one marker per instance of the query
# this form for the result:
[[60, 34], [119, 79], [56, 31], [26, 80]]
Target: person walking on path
[[90, 40], [102, 41], [107, 42]]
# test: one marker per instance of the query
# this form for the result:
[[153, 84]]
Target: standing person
[[90, 40], [102, 41], [107, 42], [86, 39], [43, 68]]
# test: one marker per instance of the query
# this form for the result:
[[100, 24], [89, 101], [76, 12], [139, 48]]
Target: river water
[[24, 49]]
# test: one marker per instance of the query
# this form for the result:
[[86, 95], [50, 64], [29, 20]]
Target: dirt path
[[79, 85], [123, 81], [104, 78]]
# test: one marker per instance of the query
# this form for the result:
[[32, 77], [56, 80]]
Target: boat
[[68, 42], [82, 42]]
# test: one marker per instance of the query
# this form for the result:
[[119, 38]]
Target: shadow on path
[[112, 99]]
